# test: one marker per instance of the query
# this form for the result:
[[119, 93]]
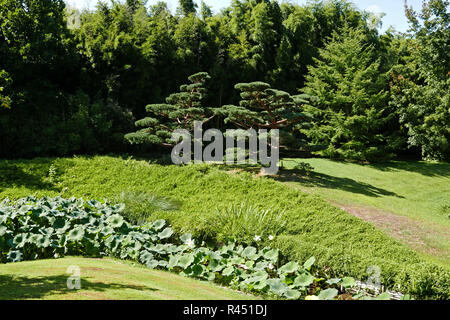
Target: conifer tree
[[180, 112], [354, 120], [205, 11], [186, 7]]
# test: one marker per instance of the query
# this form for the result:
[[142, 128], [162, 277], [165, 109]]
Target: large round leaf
[[43, 242], [185, 261], [227, 271], [308, 263], [289, 267], [76, 234], [304, 280], [328, 294], [348, 282], [249, 252], [197, 270], [271, 255], [384, 296], [277, 286], [166, 233], [3, 230], [20, 240], [115, 221], [292, 294], [159, 224], [15, 256]]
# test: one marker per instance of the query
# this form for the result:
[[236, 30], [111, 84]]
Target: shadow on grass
[[428, 169], [12, 175], [315, 179], [19, 287], [321, 180]]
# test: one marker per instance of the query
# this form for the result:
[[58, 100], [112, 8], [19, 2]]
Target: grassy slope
[[415, 190], [103, 279], [316, 228]]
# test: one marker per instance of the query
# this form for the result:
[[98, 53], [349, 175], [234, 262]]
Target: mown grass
[[315, 228], [418, 191], [103, 279]]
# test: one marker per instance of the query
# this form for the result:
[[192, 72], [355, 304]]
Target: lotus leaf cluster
[[32, 228]]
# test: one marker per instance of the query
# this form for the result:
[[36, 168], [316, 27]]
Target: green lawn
[[314, 227], [408, 200], [103, 279]]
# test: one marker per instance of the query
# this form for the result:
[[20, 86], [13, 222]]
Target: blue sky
[[392, 8]]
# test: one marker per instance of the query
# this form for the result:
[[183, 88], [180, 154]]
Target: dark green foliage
[[205, 10], [421, 82], [49, 112], [123, 54], [262, 107], [5, 101], [353, 118], [180, 112], [187, 7]]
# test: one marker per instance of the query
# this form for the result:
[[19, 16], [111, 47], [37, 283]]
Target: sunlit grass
[[419, 191], [103, 279]]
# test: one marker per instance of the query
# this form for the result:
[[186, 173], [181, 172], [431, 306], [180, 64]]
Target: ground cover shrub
[[34, 228]]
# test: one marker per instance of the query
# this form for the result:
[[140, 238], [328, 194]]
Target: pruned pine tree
[[262, 107], [180, 112]]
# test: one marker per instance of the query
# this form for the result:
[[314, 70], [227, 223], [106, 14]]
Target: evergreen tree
[[134, 5], [158, 8], [186, 7], [205, 10], [262, 107], [180, 112], [352, 113]]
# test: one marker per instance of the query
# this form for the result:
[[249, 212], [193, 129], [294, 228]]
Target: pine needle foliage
[[354, 121], [180, 111], [262, 107]]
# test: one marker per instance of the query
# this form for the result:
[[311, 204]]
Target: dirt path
[[413, 233]]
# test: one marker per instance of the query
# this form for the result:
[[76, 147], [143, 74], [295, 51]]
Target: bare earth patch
[[411, 232]]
